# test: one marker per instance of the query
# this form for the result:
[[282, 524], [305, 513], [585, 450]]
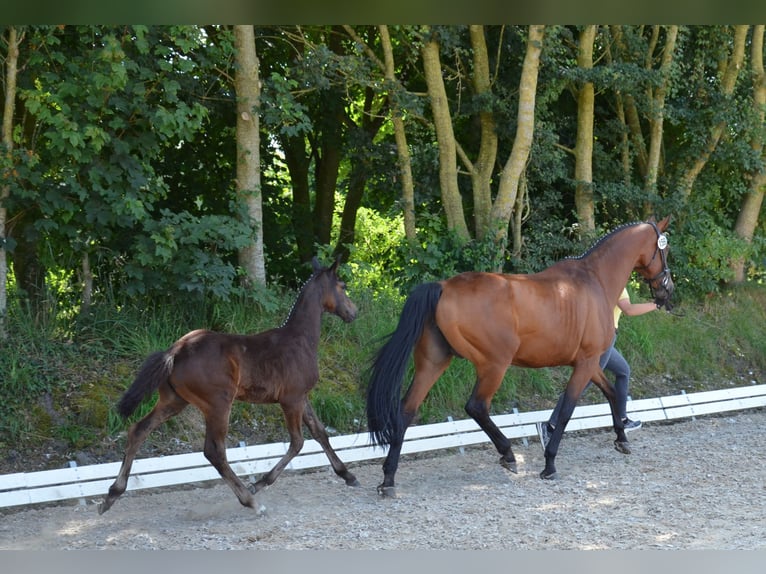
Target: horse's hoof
[[387, 491], [548, 475], [622, 447], [509, 465], [103, 507], [352, 481]]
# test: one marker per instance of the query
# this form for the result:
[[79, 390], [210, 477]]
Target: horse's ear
[[336, 263], [316, 266], [663, 225]]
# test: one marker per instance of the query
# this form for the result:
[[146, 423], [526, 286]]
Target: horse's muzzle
[[664, 292]]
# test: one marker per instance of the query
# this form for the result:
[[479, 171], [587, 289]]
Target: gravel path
[[688, 485]]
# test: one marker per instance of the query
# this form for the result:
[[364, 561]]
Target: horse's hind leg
[[489, 379], [432, 357], [168, 405], [216, 427], [293, 414], [317, 430]]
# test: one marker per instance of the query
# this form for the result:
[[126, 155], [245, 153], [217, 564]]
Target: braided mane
[[300, 295], [603, 238]]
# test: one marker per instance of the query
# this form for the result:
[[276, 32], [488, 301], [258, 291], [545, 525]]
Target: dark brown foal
[[211, 370]]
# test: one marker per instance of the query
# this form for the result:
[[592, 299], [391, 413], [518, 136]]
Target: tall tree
[[11, 66], [657, 112], [584, 141], [445, 136], [400, 135], [247, 85], [728, 73], [514, 167], [482, 169], [747, 218]]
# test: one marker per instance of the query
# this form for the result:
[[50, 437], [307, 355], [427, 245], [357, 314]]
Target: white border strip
[[81, 482]]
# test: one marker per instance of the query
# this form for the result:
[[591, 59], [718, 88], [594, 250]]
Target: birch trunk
[[247, 86]]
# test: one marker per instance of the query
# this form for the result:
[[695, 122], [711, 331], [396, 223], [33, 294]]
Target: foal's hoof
[[545, 475], [351, 480], [509, 465], [387, 491], [622, 447]]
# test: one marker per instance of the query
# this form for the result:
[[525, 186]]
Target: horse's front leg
[[317, 430], [293, 416], [575, 386]]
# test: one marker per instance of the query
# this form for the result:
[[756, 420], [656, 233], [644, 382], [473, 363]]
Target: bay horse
[[211, 370], [560, 316]]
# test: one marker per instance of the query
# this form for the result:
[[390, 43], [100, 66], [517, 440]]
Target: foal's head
[[653, 264], [334, 297]]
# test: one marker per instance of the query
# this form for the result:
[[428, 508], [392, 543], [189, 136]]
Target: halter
[[664, 275]]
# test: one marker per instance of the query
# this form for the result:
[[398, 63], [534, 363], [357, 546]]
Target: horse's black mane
[[603, 238]]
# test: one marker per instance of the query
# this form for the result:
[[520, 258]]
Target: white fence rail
[[94, 480]]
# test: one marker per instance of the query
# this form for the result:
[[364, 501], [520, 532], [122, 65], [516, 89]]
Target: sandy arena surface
[[691, 484]]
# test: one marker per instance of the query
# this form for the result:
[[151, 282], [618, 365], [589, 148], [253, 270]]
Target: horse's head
[[652, 265], [334, 298]]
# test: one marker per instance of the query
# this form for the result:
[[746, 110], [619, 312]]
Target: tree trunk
[[632, 119], [747, 219], [445, 137], [330, 153], [584, 142], [361, 168], [728, 82], [481, 170], [298, 164], [657, 115], [248, 89], [400, 136], [11, 63], [517, 161]]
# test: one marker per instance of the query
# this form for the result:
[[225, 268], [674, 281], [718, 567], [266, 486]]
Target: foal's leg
[[168, 405], [489, 378], [293, 412], [317, 430], [216, 427]]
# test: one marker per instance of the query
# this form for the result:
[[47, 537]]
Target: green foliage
[[440, 253], [701, 256]]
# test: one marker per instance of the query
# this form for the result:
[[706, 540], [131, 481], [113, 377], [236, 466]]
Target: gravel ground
[[688, 485]]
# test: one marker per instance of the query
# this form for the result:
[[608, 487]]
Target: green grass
[[61, 377]]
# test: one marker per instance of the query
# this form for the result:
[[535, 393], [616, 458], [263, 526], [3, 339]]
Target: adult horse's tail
[[155, 371], [384, 417]]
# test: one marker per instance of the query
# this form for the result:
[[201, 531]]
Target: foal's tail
[[155, 371], [384, 417]]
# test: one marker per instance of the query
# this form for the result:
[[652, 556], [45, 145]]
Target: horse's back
[[533, 320]]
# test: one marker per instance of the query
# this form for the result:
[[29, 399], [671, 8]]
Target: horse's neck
[[613, 266], [306, 315]]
